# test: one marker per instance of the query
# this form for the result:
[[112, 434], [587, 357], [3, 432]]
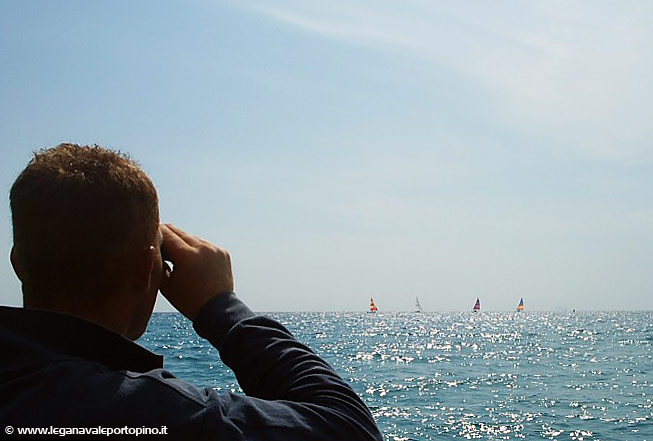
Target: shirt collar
[[77, 337]]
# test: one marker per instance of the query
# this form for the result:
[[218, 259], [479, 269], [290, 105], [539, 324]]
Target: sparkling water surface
[[493, 376]]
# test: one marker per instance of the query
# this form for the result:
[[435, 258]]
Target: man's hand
[[201, 271]]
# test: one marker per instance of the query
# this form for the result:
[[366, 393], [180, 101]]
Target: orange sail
[[520, 307], [373, 307]]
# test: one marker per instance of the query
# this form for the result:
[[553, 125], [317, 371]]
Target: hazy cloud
[[573, 72]]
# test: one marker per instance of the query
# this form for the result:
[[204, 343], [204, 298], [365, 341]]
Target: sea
[[487, 376]]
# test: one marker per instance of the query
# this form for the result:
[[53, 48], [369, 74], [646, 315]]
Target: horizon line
[[444, 311]]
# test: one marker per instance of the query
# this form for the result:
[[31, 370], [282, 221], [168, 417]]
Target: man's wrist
[[216, 318]]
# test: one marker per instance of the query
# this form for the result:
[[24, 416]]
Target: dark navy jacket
[[62, 371]]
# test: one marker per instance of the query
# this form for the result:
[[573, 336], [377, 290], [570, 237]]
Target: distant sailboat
[[520, 307], [418, 307], [373, 307], [477, 305]]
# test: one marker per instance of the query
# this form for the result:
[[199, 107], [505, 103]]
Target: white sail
[[418, 307]]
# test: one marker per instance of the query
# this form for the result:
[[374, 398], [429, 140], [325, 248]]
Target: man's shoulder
[[79, 392], [75, 378], [166, 384], [60, 370]]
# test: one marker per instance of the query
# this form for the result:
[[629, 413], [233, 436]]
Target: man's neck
[[114, 316]]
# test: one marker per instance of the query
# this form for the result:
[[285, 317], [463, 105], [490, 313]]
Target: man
[[89, 250]]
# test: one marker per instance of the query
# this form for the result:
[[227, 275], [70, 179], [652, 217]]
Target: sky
[[345, 150]]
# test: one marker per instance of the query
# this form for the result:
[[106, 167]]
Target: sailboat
[[418, 307], [520, 307], [373, 307], [477, 306]]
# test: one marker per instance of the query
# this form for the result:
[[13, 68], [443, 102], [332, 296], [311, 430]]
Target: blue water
[[491, 376]]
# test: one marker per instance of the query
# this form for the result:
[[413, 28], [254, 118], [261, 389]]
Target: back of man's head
[[81, 215]]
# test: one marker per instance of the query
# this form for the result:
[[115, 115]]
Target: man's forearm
[[271, 364]]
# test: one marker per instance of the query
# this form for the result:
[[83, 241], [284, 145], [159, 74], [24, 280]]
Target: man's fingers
[[188, 238], [200, 270], [172, 244]]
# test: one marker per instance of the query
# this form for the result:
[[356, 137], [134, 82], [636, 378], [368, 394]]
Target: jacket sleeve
[[291, 392]]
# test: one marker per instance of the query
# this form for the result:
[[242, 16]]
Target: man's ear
[[14, 263], [143, 269]]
